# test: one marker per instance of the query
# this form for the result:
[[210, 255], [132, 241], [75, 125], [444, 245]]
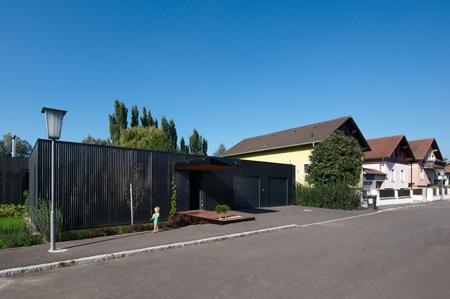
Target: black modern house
[[93, 182]]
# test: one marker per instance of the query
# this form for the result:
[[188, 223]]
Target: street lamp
[[54, 120]]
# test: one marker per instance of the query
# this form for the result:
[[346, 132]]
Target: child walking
[[155, 218]]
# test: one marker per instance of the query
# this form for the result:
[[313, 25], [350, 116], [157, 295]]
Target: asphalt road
[[395, 254]]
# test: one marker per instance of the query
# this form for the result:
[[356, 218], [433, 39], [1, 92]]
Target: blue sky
[[231, 69]]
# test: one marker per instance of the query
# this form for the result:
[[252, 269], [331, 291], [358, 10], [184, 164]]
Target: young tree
[[134, 116], [92, 140], [118, 121], [156, 123], [183, 147], [147, 138], [337, 159], [23, 148], [220, 150], [135, 190]]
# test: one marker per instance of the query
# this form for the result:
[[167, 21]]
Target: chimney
[[13, 144]]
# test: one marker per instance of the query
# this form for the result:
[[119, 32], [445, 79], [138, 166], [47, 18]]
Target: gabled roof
[[298, 136], [421, 147], [383, 148]]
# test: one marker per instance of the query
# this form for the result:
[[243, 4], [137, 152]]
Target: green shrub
[[222, 209], [11, 210], [336, 159], [41, 219], [332, 196]]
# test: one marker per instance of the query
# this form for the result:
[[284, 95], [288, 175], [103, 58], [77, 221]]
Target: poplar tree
[[118, 121], [134, 116]]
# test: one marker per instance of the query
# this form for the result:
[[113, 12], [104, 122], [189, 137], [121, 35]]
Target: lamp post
[[54, 120]]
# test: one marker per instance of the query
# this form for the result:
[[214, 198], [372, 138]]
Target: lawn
[[14, 233]]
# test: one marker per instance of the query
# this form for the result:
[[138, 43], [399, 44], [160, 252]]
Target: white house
[[388, 164]]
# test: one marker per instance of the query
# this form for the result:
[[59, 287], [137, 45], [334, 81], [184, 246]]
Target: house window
[[402, 176], [378, 184], [421, 174], [306, 168], [392, 175]]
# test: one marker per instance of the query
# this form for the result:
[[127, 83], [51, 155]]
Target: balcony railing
[[436, 164]]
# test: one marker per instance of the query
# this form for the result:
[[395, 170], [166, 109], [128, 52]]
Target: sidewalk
[[265, 218]]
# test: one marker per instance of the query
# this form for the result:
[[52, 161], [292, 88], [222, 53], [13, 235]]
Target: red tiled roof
[[382, 148], [421, 147], [296, 136], [373, 171]]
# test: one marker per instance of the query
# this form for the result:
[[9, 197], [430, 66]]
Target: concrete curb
[[122, 254]]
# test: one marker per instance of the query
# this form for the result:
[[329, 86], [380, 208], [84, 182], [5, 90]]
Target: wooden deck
[[212, 217]]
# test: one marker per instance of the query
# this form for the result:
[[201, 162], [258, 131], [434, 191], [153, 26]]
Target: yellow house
[[294, 146]]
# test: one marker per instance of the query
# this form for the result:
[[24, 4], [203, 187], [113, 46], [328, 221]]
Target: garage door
[[278, 192], [246, 192]]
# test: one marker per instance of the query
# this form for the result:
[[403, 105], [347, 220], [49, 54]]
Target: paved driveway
[[395, 254]]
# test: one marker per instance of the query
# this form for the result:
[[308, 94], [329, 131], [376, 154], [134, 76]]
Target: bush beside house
[[335, 170]]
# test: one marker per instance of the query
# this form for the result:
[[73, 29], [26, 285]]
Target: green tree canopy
[[204, 146], [134, 116], [183, 147], [92, 140], [118, 121], [147, 119], [23, 148], [197, 144], [337, 159], [147, 138], [220, 150]]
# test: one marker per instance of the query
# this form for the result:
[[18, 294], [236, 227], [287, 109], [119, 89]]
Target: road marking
[[363, 215]]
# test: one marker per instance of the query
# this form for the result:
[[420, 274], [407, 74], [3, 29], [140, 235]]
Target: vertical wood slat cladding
[[13, 172], [93, 181]]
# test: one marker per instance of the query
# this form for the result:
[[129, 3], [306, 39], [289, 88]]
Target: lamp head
[[54, 120]]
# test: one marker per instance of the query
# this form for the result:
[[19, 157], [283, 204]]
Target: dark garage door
[[278, 192], [246, 192]]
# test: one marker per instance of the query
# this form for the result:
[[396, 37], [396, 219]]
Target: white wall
[[386, 167]]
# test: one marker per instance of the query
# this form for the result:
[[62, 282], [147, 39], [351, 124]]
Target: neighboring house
[[428, 168], [393, 157], [447, 175], [294, 146]]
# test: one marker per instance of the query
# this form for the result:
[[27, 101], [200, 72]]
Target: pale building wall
[[393, 179], [417, 178]]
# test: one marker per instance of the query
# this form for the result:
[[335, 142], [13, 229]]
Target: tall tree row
[[145, 132]]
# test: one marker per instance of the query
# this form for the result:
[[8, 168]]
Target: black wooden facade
[[13, 179], [93, 183]]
